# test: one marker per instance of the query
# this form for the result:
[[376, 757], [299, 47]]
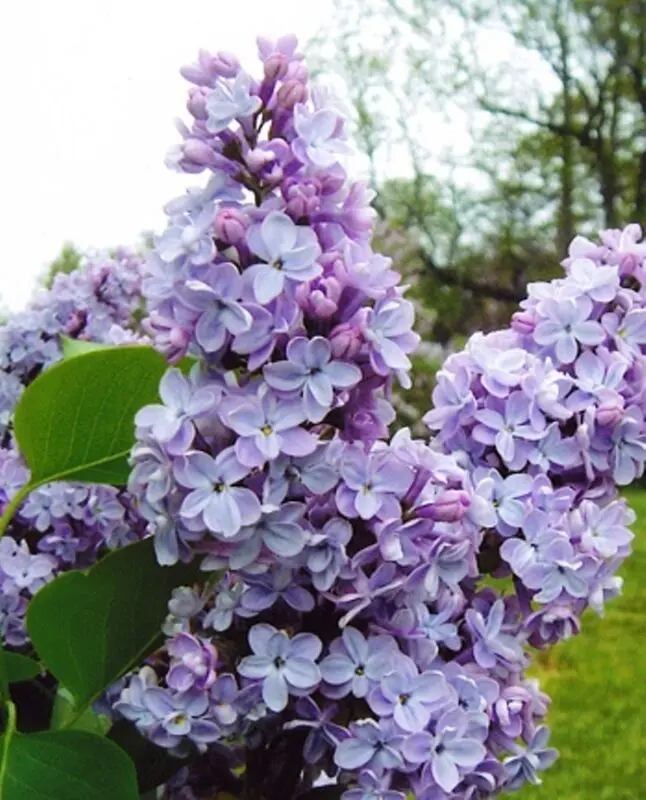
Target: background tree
[[495, 130]]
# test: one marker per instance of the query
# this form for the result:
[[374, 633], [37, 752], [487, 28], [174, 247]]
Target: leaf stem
[[7, 736], [13, 506]]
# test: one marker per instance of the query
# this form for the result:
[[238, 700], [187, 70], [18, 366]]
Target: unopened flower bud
[[610, 413], [290, 93], [276, 67], [196, 103], [523, 322], [198, 153], [451, 506], [346, 341], [225, 65], [230, 225]]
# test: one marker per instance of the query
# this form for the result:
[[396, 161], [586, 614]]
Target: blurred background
[[492, 131]]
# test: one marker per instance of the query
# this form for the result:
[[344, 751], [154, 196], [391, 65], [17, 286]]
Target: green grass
[[597, 683]]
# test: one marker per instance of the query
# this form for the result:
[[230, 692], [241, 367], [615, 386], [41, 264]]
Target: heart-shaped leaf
[[15, 668], [76, 420], [67, 765], [20, 668], [90, 628]]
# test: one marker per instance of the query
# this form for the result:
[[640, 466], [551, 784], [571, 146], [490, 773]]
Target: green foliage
[[90, 628], [19, 668], [67, 764], [75, 421]]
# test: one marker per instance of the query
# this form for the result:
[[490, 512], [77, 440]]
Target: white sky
[[89, 90]]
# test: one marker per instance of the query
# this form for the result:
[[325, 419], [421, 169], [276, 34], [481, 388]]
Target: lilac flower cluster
[[548, 419], [96, 302], [342, 617]]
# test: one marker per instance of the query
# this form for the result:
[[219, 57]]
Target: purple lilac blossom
[[351, 607]]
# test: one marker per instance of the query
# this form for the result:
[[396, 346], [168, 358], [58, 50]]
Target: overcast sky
[[89, 90]]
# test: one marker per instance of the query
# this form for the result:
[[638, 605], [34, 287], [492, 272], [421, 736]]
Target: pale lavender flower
[[438, 627], [598, 283], [319, 139], [554, 449], [310, 369], [453, 402], [560, 569], [313, 473], [179, 717], [371, 484], [567, 326], [171, 424], [152, 472], [356, 664], [450, 751], [227, 603], [326, 554], [371, 787], [629, 447], [502, 368], [267, 427], [291, 252], [265, 590], [500, 500], [193, 663], [408, 697], [605, 530], [222, 697], [221, 311], [528, 762], [229, 100], [628, 331], [27, 571], [323, 734], [215, 500], [279, 530], [503, 428], [188, 237], [388, 331], [523, 553], [372, 746], [596, 378], [131, 704], [283, 665], [491, 645]]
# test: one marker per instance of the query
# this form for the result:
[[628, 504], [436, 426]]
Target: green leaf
[[76, 347], [76, 420], [67, 765], [20, 668], [64, 716], [91, 628], [15, 668]]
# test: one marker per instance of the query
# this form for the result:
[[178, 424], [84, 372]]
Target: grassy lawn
[[597, 683]]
